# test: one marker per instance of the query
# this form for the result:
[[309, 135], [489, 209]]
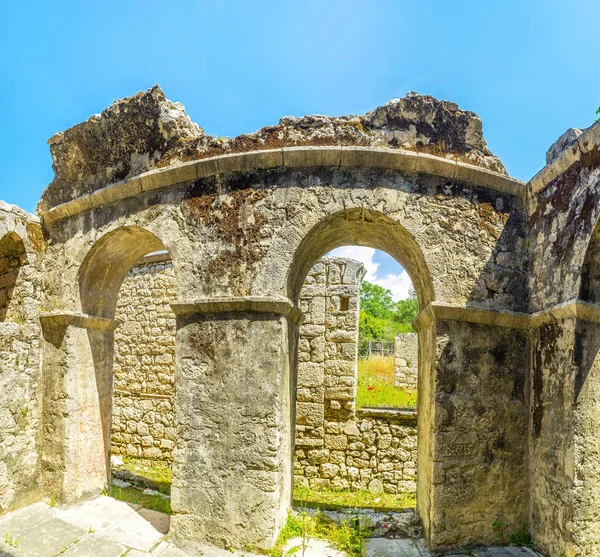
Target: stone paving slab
[[99, 514], [37, 533], [160, 521], [382, 547], [95, 545], [7, 551], [135, 532]]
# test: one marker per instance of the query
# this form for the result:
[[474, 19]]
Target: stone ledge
[[149, 396], [252, 304], [392, 414], [75, 319], [290, 157], [578, 309], [158, 257]]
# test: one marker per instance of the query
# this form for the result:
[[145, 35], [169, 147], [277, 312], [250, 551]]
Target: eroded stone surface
[[147, 131], [507, 337]]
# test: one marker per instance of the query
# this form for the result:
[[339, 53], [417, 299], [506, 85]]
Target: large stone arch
[[372, 228], [362, 227], [78, 396]]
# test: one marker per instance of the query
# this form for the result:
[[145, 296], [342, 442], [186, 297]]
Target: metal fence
[[367, 348]]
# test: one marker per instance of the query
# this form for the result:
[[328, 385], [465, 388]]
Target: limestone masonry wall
[[507, 276], [406, 354], [334, 447], [143, 415], [21, 285]]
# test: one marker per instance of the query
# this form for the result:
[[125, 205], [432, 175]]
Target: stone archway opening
[[143, 421], [128, 279], [12, 257], [369, 451], [356, 396]]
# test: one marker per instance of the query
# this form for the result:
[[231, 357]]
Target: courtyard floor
[[105, 527]]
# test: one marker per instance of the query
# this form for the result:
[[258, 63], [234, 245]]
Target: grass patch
[[335, 500], [348, 536], [159, 473], [376, 388], [137, 497]]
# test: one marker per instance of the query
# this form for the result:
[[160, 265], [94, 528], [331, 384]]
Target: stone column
[[477, 438], [77, 374], [232, 463]]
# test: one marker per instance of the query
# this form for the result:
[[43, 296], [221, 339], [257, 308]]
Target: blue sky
[[529, 69]]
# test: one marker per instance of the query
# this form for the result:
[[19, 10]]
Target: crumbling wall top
[[148, 131]]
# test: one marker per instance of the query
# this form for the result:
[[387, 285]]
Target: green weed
[[334, 500]]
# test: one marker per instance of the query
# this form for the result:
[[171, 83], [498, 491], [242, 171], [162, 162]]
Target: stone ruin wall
[[335, 448], [338, 447], [21, 286], [143, 413], [406, 354]]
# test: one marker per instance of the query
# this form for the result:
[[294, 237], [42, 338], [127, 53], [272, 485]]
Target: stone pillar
[[232, 474], [77, 372], [406, 360], [478, 430], [564, 425]]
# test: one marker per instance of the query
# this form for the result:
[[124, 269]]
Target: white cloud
[[399, 283], [362, 254]]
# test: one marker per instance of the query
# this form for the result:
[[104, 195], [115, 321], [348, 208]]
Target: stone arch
[[362, 227], [77, 449], [373, 229], [589, 286], [12, 257], [106, 265]]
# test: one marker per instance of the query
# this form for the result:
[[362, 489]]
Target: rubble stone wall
[[406, 360], [142, 416], [21, 287], [335, 448], [508, 379]]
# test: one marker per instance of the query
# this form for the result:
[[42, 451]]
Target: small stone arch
[[106, 265], [362, 227], [12, 257]]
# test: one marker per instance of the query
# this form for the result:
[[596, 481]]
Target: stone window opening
[[12, 257], [344, 303]]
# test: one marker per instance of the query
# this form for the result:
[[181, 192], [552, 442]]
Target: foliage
[[375, 386], [520, 537], [344, 499], [348, 536], [137, 497], [380, 317], [376, 300], [159, 474]]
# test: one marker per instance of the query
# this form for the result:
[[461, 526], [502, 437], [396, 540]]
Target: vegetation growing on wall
[[380, 317]]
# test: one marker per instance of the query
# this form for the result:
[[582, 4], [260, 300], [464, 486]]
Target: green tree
[[407, 310], [376, 300], [380, 317]]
